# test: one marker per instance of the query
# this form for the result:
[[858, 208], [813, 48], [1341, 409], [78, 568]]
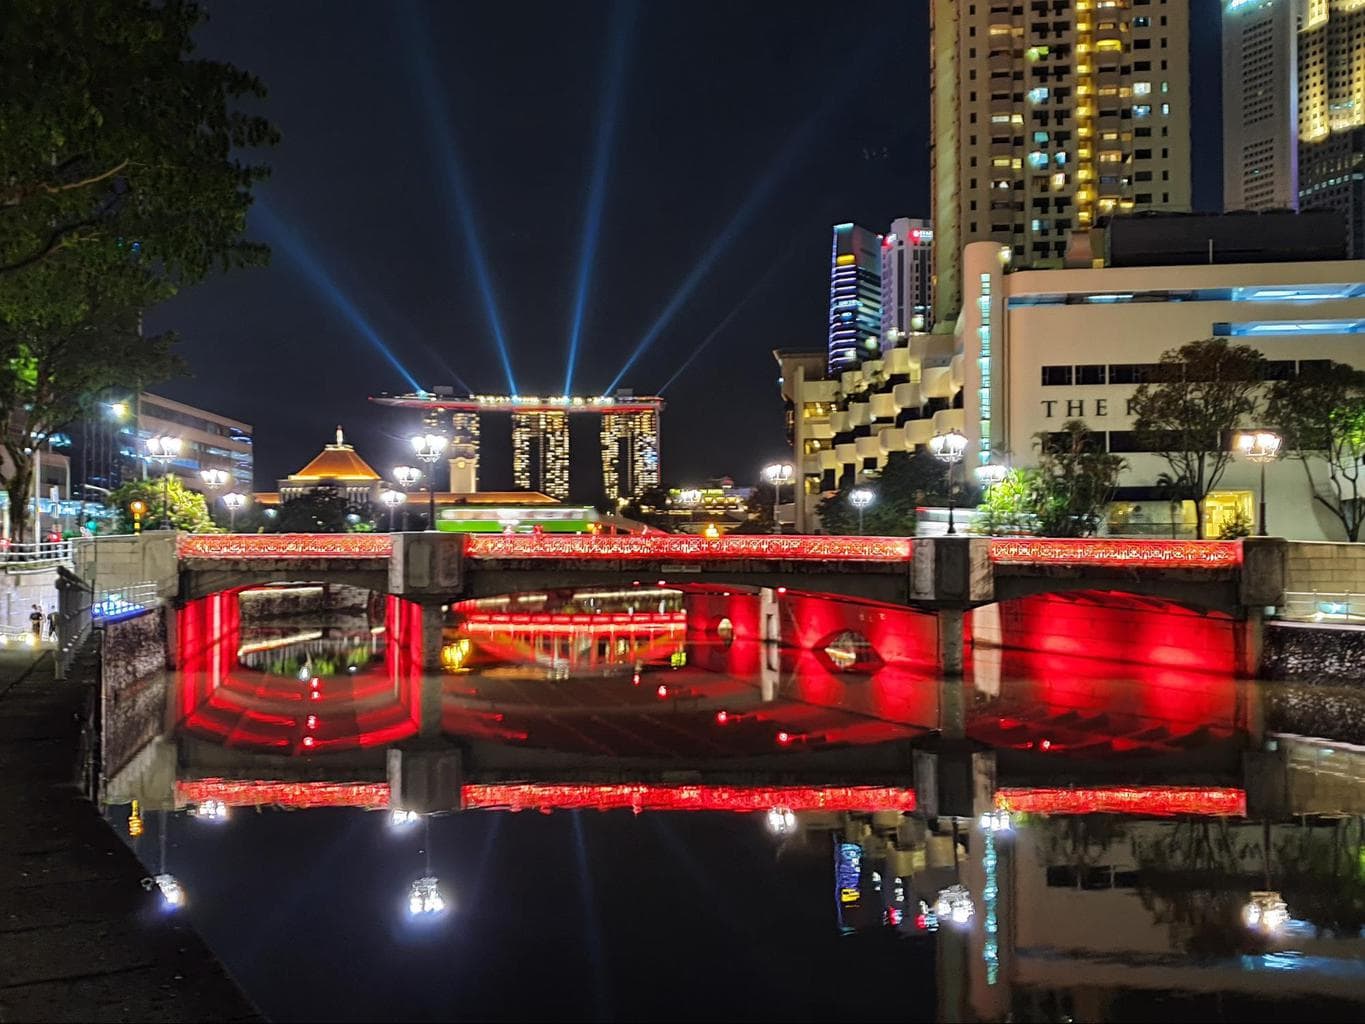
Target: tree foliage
[[1064, 496], [323, 509], [188, 508], [116, 152], [906, 482], [1206, 388], [1321, 417]]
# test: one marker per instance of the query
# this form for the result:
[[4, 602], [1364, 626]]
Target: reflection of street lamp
[[234, 501], [164, 450], [781, 821], [429, 448], [954, 904], [392, 499], [949, 448], [1265, 911], [1261, 446], [860, 498], [777, 474]]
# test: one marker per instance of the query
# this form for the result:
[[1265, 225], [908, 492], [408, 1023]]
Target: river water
[[662, 821]]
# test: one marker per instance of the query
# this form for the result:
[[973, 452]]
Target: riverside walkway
[[79, 937]]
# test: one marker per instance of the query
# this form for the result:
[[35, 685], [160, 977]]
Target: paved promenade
[[80, 940]]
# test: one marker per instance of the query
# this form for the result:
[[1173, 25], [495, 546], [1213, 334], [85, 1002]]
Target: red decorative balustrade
[[285, 545], [649, 797], [251, 793], [684, 548], [1147, 801], [1110, 551]]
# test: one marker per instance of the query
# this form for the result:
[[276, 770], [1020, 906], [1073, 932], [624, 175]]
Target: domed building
[[336, 466]]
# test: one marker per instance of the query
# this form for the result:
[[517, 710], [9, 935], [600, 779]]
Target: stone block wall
[[107, 563], [20, 591], [1325, 568]]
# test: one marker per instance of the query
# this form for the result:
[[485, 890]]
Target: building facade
[[1047, 116], [907, 277], [1260, 105], [208, 440], [1331, 76], [630, 452], [1035, 348], [855, 296], [540, 452]]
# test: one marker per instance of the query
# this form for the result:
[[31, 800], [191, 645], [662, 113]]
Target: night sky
[[744, 131]]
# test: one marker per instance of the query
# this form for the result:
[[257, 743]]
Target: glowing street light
[[235, 501], [949, 448], [399, 818], [777, 474], [424, 897], [214, 479], [991, 474], [406, 477], [429, 448], [1262, 446], [860, 498], [210, 810], [164, 450], [392, 499], [172, 893], [781, 821]]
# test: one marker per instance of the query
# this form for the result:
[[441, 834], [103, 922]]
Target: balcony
[[949, 419], [907, 396], [884, 406], [892, 439]]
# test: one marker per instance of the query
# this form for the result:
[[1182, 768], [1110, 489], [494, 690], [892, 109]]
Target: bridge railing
[[1116, 552], [284, 545], [35, 556], [1316, 606], [674, 547]]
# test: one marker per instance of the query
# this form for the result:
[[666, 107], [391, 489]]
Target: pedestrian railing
[[115, 603], [35, 556], [1319, 606]]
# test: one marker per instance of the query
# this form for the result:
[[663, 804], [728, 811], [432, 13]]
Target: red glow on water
[[308, 741], [1149, 801], [722, 717], [1045, 744], [784, 737], [662, 691], [312, 721]]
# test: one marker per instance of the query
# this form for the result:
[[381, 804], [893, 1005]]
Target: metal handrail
[[1321, 606], [45, 551]]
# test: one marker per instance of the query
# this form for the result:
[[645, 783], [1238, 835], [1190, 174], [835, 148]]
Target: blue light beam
[[622, 21], [457, 185], [716, 331], [782, 163], [325, 285]]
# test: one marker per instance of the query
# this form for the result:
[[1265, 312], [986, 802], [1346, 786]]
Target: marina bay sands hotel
[[540, 437]]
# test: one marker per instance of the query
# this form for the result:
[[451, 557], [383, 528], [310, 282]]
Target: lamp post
[[1261, 446], [214, 480], [392, 499], [406, 477], [234, 502], [949, 448], [860, 498], [777, 474], [429, 448], [163, 450]]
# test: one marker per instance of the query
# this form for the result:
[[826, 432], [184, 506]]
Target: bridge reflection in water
[[1107, 825]]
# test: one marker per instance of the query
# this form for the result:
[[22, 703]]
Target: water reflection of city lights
[[424, 897], [781, 821], [172, 893], [1265, 911], [454, 655], [954, 904], [399, 818]]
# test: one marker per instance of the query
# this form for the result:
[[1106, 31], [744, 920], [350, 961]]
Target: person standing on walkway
[[35, 621], [52, 625]]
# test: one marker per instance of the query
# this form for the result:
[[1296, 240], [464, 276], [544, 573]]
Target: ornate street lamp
[[1265, 911], [860, 498], [392, 499], [235, 502], [214, 479], [406, 477], [164, 450], [777, 474], [954, 905], [949, 448], [429, 448], [1262, 446], [991, 474]]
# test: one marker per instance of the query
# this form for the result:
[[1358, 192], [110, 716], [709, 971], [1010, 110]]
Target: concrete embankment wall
[[1324, 568]]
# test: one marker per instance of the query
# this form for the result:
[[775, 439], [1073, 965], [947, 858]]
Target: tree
[[1206, 388], [116, 151], [188, 509], [650, 507], [323, 509], [49, 376], [1074, 481], [905, 482], [1321, 416]]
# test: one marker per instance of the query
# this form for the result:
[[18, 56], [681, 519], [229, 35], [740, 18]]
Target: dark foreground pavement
[[80, 940]]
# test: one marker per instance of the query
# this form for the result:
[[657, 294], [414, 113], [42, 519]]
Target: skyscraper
[[540, 452], [855, 297], [1260, 105], [1048, 116], [907, 278], [630, 452], [1331, 78], [464, 452]]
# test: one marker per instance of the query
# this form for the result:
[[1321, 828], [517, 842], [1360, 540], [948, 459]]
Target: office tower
[[1049, 115], [630, 452], [1331, 79], [855, 297], [540, 452], [907, 278], [1260, 105], [464, 452]]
